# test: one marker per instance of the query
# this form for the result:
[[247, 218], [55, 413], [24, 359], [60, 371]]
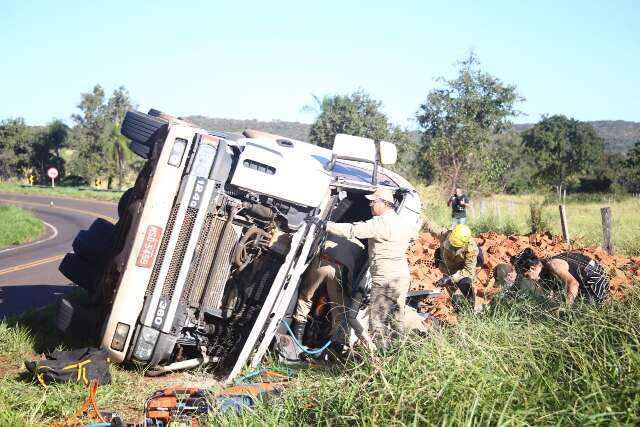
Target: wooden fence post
[[606, 230], [563, 223]]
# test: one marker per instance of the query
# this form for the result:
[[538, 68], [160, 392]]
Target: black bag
[[79, 366]]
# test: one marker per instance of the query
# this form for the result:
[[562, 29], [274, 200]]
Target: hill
[[619, 135], [295, 130]]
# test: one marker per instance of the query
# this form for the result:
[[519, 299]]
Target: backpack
[[79, 366]]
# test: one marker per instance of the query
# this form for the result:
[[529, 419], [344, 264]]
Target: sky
[[267, 59]]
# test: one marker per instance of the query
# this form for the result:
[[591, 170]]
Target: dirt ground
[[498, 249]]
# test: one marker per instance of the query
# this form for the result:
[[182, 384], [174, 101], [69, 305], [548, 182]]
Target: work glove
[[445, 282]]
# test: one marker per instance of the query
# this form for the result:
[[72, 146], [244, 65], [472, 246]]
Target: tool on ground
[[177, 405], [89, 415]]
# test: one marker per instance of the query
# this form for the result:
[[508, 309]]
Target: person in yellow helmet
[[458, 259]]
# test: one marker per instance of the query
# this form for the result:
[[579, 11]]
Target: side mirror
[[388, 153], [351, 147]]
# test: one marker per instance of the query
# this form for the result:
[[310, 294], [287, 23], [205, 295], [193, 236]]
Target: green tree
[[16, 148], [57, 136], [563, 149], [102, 150], [458, 119], [632, 169], [353, 114]]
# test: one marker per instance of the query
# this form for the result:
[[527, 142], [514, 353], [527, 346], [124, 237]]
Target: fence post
[[606, 230], [563, 223]]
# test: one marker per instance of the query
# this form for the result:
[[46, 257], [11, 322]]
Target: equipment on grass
[[177, 405]]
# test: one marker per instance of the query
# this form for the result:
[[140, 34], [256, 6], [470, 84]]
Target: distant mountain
[[619, 135], [294, 130]]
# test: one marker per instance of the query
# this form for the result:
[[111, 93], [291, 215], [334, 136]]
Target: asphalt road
[[29, 275]]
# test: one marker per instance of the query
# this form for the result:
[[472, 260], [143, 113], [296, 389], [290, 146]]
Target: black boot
[[298, 330], [466, 287]]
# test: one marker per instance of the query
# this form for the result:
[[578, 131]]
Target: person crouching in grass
[[574, 273]]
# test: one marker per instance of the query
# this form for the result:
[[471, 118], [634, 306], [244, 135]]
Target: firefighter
[[457, 258], [335, 266], [572, 272], [388, 238]]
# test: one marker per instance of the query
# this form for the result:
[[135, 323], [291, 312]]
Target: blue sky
[[265, 59]]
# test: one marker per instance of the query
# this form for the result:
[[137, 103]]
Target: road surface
[[29, 276]]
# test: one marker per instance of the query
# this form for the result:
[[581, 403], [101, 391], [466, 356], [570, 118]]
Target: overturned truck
[[212, 241]]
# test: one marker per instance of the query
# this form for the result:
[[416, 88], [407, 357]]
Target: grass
[[512, 366], [80, 192], [18, 226], [512, 215]]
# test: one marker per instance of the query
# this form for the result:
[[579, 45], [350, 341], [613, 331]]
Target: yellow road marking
[[30, 264], [82, 211]]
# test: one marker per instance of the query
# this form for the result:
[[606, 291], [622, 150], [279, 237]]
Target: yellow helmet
[[460, 235]]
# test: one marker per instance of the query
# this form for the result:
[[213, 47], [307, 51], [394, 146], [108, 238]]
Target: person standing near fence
[[458, 202]]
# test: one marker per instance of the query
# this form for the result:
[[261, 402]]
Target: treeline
[[465, 138], [91, 149]]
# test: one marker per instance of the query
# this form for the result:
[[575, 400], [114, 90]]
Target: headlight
[[146, 343], [177, 151], [120, 336]]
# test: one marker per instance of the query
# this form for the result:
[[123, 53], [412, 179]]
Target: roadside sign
[[53, 174]]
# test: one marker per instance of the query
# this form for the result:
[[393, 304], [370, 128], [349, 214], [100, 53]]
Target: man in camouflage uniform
[[458, 259], [388, 238], [335, 266]]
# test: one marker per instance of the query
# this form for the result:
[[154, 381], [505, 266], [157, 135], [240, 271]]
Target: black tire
[[95, 243], [141, 150], [79, 271], [155, 113], [102, 227], [123, 203], [140, 127]]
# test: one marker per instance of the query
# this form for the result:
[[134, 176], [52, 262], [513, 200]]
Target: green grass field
[[81, 192], [513, 365], [511, 215], [18, 226]]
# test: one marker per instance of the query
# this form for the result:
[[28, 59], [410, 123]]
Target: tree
[[563, 149], [16, 148], [58, 134], [354, 114], [104, 152], [632, 166], [458, 119]]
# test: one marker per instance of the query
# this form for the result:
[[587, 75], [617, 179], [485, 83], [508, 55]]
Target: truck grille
[[178, 253], [204, 266], [163, 250]]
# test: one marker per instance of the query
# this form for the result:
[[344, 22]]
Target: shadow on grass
[[41, 322]]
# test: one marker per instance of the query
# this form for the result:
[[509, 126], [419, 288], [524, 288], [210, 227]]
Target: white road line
[[53, 236]]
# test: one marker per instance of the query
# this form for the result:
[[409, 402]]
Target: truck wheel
[[141, 150], [79, 271], [95, 243], [140, 127], [123, 203]]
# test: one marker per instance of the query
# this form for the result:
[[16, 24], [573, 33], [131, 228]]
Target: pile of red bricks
[[499, 249]]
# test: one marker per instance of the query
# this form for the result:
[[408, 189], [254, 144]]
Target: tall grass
[[512, 366], [18, 226]]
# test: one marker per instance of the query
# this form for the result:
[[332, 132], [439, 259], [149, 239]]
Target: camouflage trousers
[[387, 309], [331, 274]]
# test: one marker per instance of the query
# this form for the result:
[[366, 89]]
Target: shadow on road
[[18, 299]]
